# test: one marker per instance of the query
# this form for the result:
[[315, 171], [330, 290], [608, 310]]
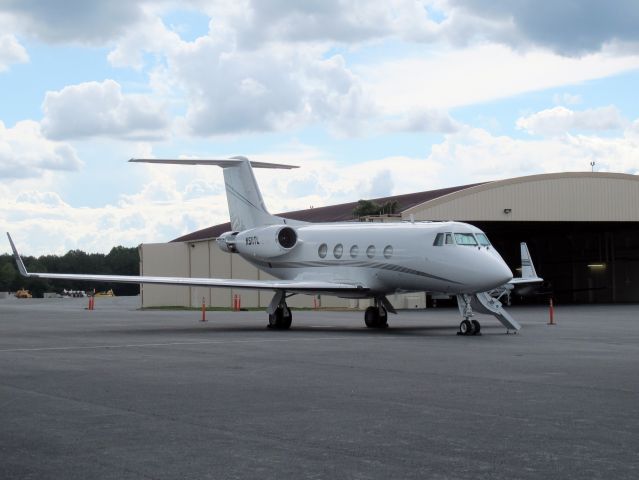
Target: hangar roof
[[333, 213], [563, 197], [566, 196]]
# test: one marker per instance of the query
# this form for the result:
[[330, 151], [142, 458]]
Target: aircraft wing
[[288, 285]]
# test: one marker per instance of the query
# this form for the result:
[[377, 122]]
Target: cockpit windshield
[[467, 239], [482, 239], [443, 239]]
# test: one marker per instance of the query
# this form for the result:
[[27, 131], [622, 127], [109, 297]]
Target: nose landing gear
[[467, 326]]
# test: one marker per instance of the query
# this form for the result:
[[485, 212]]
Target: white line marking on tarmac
[[169, 344]]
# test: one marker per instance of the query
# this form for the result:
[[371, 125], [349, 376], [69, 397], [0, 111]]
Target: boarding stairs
[[484, 303]]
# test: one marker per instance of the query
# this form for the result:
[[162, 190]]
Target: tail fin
[[246, 205], [527, 267]]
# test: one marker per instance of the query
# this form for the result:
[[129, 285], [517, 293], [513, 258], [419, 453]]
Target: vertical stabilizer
[[246, 205], [527, 267]]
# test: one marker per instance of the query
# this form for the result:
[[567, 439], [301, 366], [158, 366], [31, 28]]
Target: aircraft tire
[[465, 327], [371, 317], [273, 319], [287, 318], [382, 320], [279, 320], [476, 327]]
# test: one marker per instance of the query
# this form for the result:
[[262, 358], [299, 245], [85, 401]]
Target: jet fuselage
[[385, 257]]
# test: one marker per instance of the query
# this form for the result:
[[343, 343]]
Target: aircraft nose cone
[[502, 272]]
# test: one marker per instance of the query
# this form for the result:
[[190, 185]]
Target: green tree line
[[119, 261], [366, 208]]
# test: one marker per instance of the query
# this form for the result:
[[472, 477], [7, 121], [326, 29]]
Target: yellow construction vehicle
[[108, 293], [23, 293]]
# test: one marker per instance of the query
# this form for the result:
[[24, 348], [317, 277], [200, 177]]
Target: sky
[[370, 98]]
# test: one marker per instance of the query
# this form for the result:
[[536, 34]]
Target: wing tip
[[21, 268]]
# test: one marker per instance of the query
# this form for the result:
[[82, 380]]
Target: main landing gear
[[377, 316], [281, 319], [279, 315], [467, 326]]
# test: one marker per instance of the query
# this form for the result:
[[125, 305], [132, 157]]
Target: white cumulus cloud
[[474, 155], [101, 109], [25, 152], [563, 26], [11, 52], [477, 74], [273, 88], [437, 121], [560, 120], [75, 21]]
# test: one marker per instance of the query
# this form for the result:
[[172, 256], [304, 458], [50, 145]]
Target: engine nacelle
[[266, 242], [226, 242]]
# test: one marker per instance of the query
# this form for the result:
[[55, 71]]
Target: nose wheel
[[469, 327]]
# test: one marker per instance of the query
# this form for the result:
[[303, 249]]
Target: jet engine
[[226, 242], [266, 242]]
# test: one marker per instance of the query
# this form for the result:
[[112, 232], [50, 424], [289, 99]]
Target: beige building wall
[[199, 268], [242, 269], [220, 267], [569, 197], [165, 260]]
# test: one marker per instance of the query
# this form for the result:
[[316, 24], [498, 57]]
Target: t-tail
[[527, 266], [246, 205]]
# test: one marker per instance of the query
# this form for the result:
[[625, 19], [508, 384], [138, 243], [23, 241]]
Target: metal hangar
[[582, 229]]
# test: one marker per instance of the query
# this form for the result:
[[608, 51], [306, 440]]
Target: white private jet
[[349, 260]]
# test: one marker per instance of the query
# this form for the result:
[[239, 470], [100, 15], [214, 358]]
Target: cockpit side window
[[439, 240], [449, 239], [467, 239], [482, 239]]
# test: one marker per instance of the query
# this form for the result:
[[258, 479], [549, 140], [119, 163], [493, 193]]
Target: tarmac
[[123, 393]]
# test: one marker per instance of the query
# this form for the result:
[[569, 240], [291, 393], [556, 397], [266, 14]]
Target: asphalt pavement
[[123, 393]]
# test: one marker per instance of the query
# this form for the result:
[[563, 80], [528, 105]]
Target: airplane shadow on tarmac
[[209, 328]]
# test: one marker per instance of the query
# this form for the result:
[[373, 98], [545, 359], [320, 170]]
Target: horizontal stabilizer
[[230, 162]]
